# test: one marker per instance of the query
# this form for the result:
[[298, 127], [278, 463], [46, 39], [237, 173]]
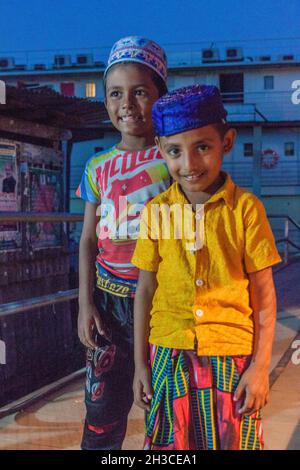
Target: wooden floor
[[56, 423]]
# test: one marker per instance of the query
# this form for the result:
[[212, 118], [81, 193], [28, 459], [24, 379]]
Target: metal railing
[[286, 240], [242, 174], [40, 217], [177, 52], [25, 217], [19, 306], [22, 306]]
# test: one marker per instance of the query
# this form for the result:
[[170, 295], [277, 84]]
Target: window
[[269, 82], [90, 90], [67, 89], [289, 149], [232, 87], [248, 150]]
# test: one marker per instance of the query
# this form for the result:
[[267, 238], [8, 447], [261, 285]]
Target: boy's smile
[[195, 157], [130, 94]]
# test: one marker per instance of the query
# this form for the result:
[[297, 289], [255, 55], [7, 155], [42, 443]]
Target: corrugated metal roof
[[45, 106]]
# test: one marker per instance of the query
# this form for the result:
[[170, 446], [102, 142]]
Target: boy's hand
[[142, 388], [255, 384], [88, 320]]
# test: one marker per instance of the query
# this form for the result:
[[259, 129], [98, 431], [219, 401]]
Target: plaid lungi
[[193, 408]]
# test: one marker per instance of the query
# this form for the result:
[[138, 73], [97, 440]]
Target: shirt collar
[[226, 192]]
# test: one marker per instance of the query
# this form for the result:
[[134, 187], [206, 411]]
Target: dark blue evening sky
[[54, 24]]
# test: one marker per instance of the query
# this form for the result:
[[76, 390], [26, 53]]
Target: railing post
[[286, 243], [257, 138]]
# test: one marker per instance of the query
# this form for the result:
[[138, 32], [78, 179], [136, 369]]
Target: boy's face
[[194, 158], [130, 94]]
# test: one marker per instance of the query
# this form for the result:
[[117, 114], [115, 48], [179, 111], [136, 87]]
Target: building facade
[[261, 93]]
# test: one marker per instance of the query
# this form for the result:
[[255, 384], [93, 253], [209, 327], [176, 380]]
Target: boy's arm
[[88, 314], [255, 381], [263, 302], [142, 306]]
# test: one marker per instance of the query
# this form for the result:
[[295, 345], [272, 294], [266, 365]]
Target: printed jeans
[[109, 376]]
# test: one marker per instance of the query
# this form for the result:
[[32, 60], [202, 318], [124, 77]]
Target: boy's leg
[[194, 396], [168, 423], [110, 369], [232, 431]]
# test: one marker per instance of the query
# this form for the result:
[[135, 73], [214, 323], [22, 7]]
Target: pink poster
[[9, 234]]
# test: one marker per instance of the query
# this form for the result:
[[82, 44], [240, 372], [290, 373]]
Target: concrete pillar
[[257, 148]]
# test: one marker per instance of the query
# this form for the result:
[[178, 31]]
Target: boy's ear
[[229, 139], [157, 141]]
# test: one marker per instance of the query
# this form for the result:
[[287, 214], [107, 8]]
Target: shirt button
[[199, 313], [199, 282], [198, 216]]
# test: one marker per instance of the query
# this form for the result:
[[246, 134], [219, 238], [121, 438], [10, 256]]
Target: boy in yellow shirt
[[205, 300]]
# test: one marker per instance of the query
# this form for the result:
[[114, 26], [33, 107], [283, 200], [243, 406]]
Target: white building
[[261, 93]]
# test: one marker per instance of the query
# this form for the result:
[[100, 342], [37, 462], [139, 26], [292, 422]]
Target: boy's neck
[[201, 197], [131, 142]]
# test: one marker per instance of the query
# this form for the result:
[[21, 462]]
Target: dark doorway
[[232, 87]]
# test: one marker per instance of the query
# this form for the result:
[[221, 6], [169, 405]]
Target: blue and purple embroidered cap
[[141, 50], [188, 108]]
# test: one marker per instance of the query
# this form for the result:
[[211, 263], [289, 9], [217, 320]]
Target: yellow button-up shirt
[[202, 299]]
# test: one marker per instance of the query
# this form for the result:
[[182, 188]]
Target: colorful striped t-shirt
[[123, 182]]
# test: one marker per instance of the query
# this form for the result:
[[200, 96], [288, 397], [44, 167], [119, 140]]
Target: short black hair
[[159, 83]]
